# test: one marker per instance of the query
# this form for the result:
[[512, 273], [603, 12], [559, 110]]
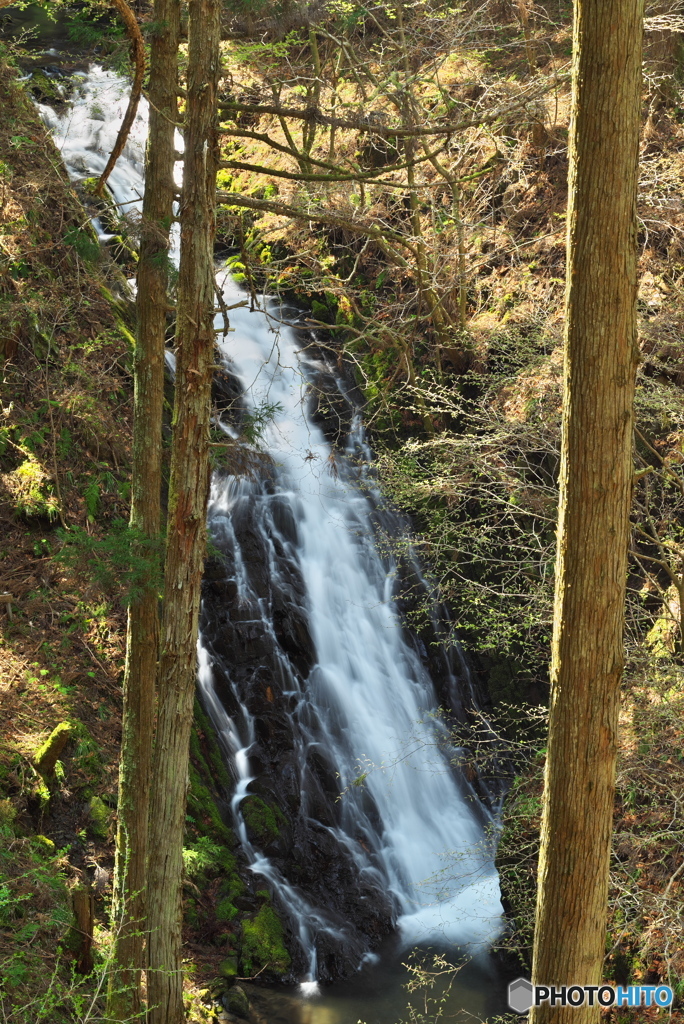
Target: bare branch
[[138, 57], [315, 115]]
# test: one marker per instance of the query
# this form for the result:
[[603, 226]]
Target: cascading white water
[[86, 132], [373, 698], [372, 702]]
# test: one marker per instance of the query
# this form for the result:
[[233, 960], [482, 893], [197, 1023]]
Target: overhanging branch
[[382, 235]]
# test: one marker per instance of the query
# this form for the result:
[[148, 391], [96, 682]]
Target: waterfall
[[323, 702]]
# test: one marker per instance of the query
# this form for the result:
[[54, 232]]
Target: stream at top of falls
[[332, 708]]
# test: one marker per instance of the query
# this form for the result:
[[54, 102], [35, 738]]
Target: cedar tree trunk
[[142, 649], [595, 491], [186, 518]]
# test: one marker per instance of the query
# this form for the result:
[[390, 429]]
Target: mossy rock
[[122, 252], [232, 887], [210, 753], [263, 944], [122, 306], [321, 311], [237, 1003], [48, 753], [264, 822], [98, 814], [203, 808], [44, 89], [209, 777], [40, 793]]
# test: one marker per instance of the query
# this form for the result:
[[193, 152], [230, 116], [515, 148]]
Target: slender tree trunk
[[142, 647], [186, 518], [596, 478]]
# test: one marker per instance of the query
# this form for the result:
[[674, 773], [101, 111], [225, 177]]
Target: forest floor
[[65, 462]]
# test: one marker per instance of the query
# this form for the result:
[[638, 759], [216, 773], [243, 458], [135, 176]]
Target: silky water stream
[[323, 701]]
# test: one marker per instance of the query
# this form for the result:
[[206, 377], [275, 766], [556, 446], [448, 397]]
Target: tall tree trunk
[[186, 518], [596, 477], [142, 649]]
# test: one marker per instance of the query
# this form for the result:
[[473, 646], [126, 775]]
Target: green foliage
[[255, 422], [204, 859], [35, 911], [226, 910], [518, 846], [91, 496], [87, 247], [32, 490], [43, 846], [265, 55], [237, 269], [124, 561], [89, 25], [377, 369], [263, 943], [21, 142], [87, 755], [484, 494]]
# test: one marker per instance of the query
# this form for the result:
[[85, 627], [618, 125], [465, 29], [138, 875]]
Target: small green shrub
[[124, 560], [32, 490]]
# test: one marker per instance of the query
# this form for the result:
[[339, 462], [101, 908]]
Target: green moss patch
[[263, 944], [48, 753], [264, 821]]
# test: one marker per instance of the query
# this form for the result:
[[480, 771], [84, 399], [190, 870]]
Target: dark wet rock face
[[255, 627], [330, 409]]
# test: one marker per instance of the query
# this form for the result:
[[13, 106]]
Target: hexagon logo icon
[[520, 995]]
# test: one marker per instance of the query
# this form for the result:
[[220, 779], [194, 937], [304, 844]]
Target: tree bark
[[596, 477], [142, 649], [83, 903], [187, 514]]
